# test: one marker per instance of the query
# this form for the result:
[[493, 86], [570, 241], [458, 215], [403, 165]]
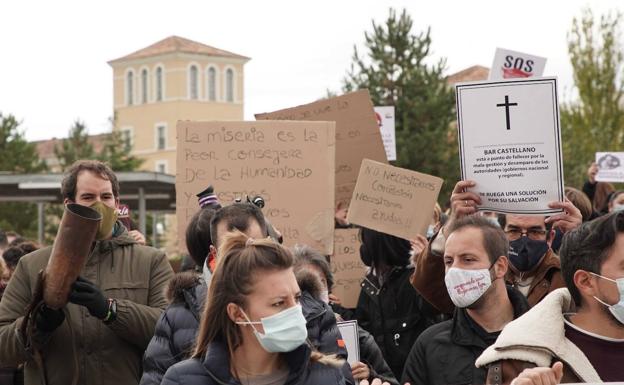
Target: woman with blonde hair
[[253, 330]]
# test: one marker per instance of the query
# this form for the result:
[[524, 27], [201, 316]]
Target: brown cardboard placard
[[393, 200], [347, 267], [357, 134], [290, 164]]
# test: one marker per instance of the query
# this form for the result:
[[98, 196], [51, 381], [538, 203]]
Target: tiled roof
[[177, 44], [45, 148], [470, 74]]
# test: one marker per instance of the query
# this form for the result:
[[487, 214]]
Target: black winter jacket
[[177, 327], [446, 353], [214, 369], [371, 355], [394, 314]]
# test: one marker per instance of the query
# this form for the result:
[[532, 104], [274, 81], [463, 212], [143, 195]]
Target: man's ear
[[116, 202], [501, 266], [585, 283], [66, 201], [551, 237]]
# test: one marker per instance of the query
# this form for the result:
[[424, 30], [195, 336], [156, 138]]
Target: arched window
[[193, 84], [144, 86], [212, 84], [159, 84], [130, 88], [229, 85]]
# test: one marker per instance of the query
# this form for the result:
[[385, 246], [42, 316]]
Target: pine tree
[[396, 72], [19, 157], [594, 122], [75, 147]]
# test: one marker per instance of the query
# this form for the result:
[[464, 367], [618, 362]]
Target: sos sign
[[510, 64]]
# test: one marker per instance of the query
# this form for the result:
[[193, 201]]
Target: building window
[[144, 86], [229, 85], [193, 83], [161, 137], [126, 138], [159, 84], [212, 84], [161, 166], [130, 88]]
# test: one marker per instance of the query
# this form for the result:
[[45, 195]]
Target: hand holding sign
[[570, 219], [463, 202]]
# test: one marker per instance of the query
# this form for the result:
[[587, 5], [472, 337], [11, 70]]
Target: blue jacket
[[214, 369]]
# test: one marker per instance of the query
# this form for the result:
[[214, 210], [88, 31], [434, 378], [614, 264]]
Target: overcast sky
[[53, 66]]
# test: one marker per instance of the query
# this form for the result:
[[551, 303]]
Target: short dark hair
[[306, 255], [198, 239], [4, 242], [13, 254], [587, 247], [68, 186], [237, 217], [502, 221], [495, 241]]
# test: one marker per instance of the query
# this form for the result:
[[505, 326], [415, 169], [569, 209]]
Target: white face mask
[[283, 332], [325, 296], [465, 287], [617, 309], [618, 207], [430, 231]]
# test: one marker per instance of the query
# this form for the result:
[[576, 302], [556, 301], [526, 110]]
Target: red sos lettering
[[517, 67]]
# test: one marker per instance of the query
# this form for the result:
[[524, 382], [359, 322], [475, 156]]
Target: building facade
[[173, 79]]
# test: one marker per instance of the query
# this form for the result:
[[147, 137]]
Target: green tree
[[594, 120], [75, 147], [116, 151], [18, 156], [396, 72]]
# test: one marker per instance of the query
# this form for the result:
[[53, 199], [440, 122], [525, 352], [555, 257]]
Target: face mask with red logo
[[465, 287]]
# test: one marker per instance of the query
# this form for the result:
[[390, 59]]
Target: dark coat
[[177, 327], [394, 314], [371, 355], [214, 369], [446, 353]]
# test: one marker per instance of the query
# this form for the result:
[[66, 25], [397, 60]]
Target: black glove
[[85, 293], [48, 319]]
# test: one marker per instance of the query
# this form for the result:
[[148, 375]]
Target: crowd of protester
[[482, 298]]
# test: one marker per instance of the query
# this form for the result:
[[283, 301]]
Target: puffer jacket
[[394, 313], [176, 328], [370, 354], [214, 369], [100, 354]]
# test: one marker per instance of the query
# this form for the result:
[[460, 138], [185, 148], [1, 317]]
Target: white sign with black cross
[[510, 144]]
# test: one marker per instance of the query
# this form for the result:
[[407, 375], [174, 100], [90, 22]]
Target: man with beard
[[574, 334], [476, 262], [534, 268]]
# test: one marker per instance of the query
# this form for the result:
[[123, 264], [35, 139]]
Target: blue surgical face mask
[[283, 332], [430, 231], [617, 309]]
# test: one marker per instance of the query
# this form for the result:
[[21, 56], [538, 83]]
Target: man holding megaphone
[[84, 310]]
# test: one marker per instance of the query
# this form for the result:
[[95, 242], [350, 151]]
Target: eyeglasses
[[534, 234]]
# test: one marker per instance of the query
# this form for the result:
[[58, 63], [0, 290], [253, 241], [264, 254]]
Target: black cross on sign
[[507, 105]]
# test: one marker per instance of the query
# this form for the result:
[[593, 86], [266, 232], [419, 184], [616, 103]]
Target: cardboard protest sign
[[610, 166], [349, 332], [347, 267], [393, 200], [510, 64], [289, 164], [510, 144], [385, 120], [357, 134]]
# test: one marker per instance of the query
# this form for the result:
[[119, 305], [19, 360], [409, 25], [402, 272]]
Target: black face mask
[[525, 253]]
